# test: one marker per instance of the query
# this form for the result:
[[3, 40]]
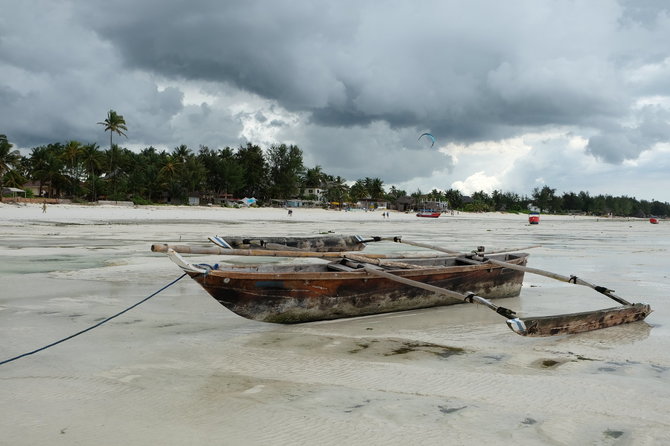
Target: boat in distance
[[428, 214], [297, 293]]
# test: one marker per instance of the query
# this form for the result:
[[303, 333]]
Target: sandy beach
[[182, 369]]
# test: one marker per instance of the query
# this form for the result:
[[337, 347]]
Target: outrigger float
[[352, 284]]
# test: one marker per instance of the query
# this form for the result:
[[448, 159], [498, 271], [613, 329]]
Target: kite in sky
[[432, 138]]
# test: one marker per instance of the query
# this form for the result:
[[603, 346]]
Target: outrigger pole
[[568, 323]]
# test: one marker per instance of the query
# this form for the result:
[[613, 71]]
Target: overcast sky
[[574, 95]]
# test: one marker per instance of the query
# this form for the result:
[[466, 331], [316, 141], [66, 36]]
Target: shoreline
[[22, 212]]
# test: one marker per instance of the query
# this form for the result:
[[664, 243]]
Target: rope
[[93, 326]]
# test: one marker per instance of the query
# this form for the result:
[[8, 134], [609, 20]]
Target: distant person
[[290, 212], [44, 207]]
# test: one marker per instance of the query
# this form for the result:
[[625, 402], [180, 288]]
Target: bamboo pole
[[426, 245], [569, 279], [186, 249], [451, 251], [215, 250], [381, 262]]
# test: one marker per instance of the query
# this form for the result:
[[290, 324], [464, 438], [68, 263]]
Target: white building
[[317, 192]]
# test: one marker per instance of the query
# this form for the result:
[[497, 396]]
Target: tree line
[[85, 172]]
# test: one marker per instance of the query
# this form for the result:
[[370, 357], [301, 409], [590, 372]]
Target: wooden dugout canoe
[[312, 292], [321, 243]]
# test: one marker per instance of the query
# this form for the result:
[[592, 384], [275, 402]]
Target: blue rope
[[94, 326]]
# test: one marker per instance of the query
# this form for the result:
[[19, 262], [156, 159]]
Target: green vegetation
[[9, 164], [84, 172]]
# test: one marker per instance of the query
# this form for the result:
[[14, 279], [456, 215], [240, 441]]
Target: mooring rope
[[93, 326]]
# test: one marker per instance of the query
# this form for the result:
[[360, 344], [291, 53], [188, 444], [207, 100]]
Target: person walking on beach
[[44, 207]]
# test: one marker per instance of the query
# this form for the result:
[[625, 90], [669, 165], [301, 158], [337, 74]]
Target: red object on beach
[[428, 214], [534, 218], [653, 220]]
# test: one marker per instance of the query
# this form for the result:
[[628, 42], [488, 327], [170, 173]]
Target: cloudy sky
[[574, 95]]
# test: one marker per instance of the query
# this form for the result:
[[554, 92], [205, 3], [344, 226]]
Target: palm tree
[[92, 158], [337, 190], [314, 177], [169, 175], [358, 191], [13, 178], [375, 187], [256, 170], [72, 157], [9, 158], [114, 124], [46, 166], [182, 153]]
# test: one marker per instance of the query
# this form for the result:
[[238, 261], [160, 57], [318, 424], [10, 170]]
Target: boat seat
[[340, 267], [466, 261]]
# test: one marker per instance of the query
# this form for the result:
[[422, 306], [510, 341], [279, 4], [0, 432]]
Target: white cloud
[[477, 182]]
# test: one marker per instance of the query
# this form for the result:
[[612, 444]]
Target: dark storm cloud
[[481, 71], [630, 141], [272, 49]]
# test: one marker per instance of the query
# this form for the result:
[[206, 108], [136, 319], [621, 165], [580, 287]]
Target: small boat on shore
[[295, 293], [320, 243], [365, 284], [653, 220], [534, 218], [428, 214]]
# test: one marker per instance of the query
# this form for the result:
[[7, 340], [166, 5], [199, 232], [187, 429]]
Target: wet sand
[[182, 369]]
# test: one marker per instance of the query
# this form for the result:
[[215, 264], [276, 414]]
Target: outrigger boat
[[323, 243], [352, 284], [340, 289]]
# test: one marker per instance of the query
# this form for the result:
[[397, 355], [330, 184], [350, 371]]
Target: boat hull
[[306, 296], [428, 214]]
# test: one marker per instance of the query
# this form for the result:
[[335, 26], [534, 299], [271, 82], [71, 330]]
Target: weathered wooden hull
[[579, 322], [306, 293], [322, 243]]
